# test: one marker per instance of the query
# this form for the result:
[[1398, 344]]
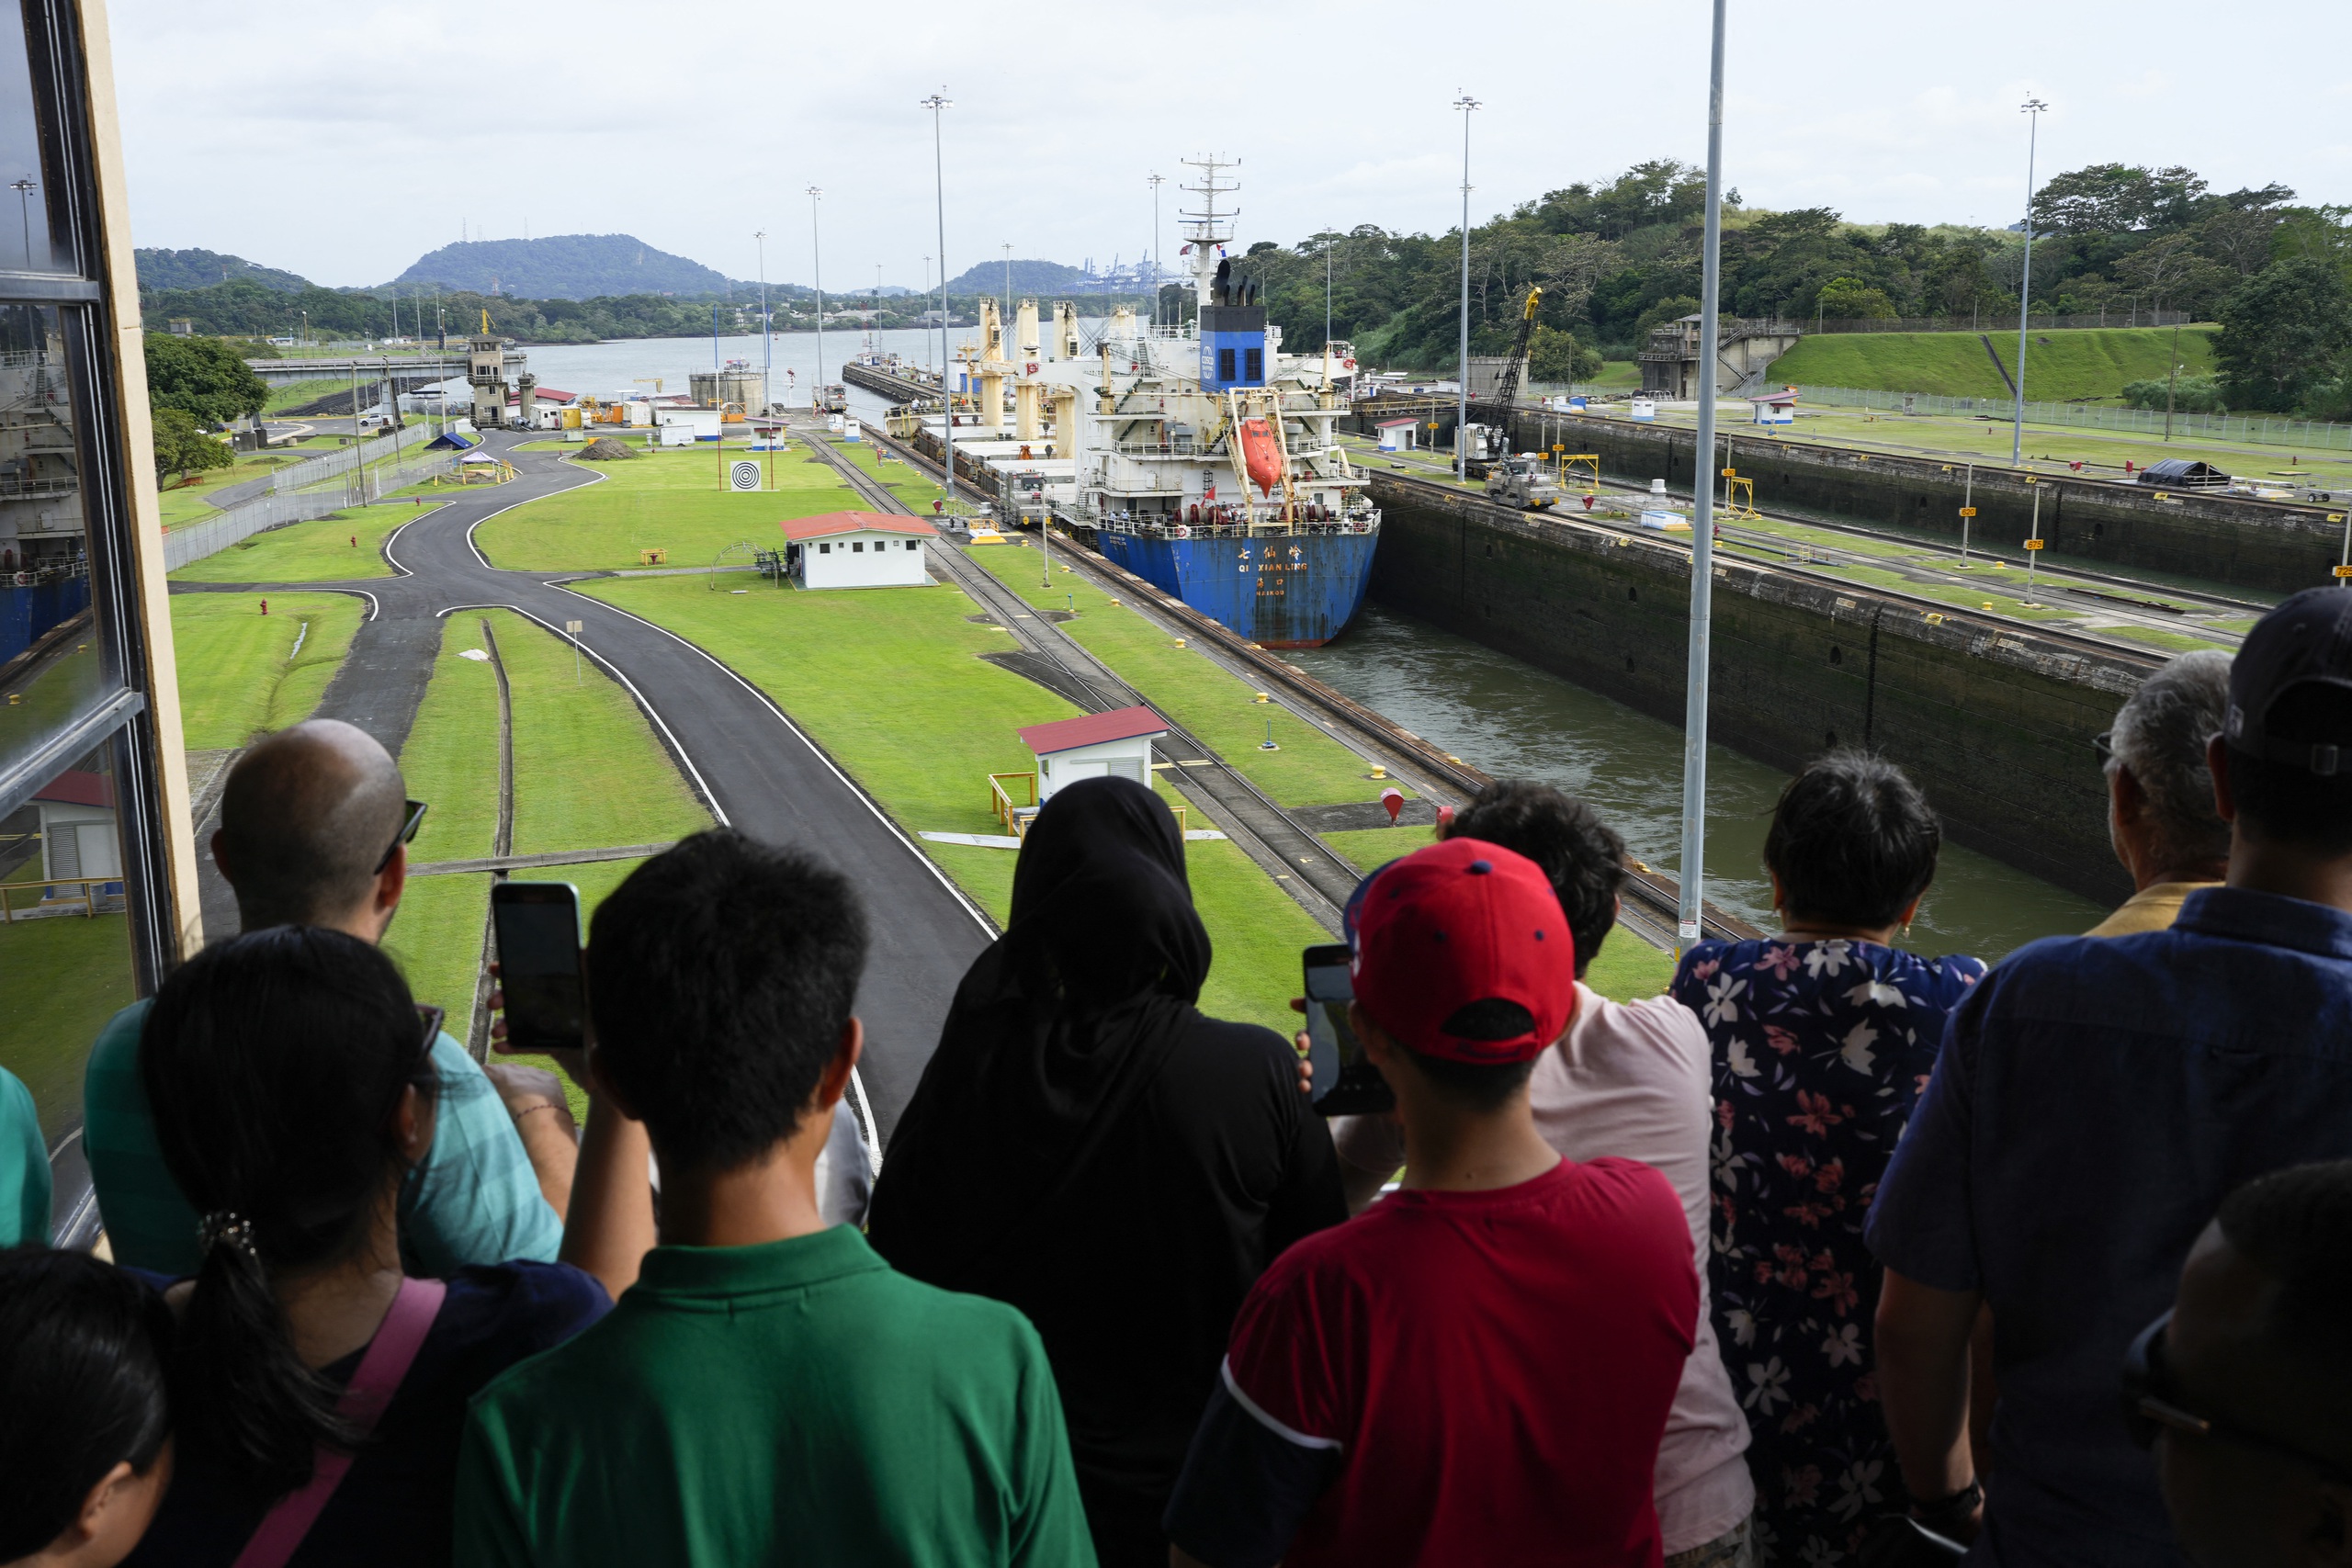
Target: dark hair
[[2296, 1226], [83, 1349], [1579, 853], [275, 1064], [306, 815], [2290, 804], [1852, 841], [1481, 1087], [720, 976]]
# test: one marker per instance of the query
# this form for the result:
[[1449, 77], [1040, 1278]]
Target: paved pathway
[[740, 753]]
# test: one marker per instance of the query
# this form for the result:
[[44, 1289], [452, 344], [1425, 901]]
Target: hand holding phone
[[1351, 1086], [540, 984]]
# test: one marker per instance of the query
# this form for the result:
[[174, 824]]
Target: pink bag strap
[[389, 1356]]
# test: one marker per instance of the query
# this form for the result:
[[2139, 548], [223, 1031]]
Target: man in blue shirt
[[2093, 1102], [314, 830]]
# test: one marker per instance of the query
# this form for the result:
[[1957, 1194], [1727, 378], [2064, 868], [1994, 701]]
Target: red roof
[[1092, 729], [78, 788], [1392, 423], [828, 524]]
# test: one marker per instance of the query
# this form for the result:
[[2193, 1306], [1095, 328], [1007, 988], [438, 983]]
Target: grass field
[[338, 548], [2061, 366], [668, 500], [889, 684], [239, 672], [60, 979]]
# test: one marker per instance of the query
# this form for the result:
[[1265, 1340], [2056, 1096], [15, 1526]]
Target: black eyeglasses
[[2104, 744], [2151, 1405], [409, 825]]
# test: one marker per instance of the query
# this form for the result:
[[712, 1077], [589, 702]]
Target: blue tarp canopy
[[450, 441]]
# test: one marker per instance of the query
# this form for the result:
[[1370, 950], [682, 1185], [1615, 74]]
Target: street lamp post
[[817, 263], [935, 103], [1468, 106], [767, 338], [23, 186], [2032, 109], [1157, 181], [1005, 323], [1689, 926]]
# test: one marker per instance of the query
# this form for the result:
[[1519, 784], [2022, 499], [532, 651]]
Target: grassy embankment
[[342, 546], [633, 794], [669, 501], [239, 673], [2089, 364]]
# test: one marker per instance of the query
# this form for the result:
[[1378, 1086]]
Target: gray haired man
[[2160, 813]]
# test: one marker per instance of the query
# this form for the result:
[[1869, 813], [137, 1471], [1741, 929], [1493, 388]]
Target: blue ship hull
[[1284, 590]]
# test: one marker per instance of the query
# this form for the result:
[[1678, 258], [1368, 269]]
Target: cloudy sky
[[343, 141]]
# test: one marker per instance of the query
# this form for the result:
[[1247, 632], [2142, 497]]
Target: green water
[[1512, 720]]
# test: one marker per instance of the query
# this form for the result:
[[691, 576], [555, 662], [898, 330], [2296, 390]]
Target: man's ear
[[109, 1494], [2130, 800], [2217, 762], [392, 881], [220, 837], [1378, 1049], [834, 1082], [412, 1124]]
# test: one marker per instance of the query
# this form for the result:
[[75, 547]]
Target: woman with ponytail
[[318, 1391]]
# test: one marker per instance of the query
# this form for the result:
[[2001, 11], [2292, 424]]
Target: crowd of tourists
[[1832, 1253]]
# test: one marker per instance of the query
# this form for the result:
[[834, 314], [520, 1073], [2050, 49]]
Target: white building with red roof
[[1115, 744], [857, 549]]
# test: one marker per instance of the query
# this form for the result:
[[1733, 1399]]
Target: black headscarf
[[1053, 1030]]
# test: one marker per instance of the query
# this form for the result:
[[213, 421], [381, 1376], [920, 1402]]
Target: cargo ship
[[1199, 457]]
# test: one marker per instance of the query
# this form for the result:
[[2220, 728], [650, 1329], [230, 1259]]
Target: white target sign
[[742, 474]]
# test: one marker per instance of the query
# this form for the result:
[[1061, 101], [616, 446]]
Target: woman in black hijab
[[1086, 1146]]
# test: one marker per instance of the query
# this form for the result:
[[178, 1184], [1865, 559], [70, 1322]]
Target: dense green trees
[[203, 376], [184, 449], [2284, 335]]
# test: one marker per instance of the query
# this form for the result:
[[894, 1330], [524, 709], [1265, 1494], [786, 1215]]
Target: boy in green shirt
[[768, 1389]]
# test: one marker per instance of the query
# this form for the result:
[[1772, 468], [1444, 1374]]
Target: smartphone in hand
[[538, 929], [1350, 1084]]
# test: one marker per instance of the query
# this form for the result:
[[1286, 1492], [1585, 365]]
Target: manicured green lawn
[[1310, 769], [336, 548], [887, 681], [668, 500], [450, 758], [2061, 366], [917, 489], [60, 979], [239, 673]]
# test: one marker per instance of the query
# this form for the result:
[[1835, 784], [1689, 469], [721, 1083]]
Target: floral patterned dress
[[1821, 1049]]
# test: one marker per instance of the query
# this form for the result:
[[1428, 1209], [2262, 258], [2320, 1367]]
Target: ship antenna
[[1206, 229]]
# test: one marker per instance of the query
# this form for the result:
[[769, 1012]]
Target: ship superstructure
[[1199, 457]]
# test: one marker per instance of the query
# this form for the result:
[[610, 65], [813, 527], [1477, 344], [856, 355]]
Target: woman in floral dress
[[1823, 1039]]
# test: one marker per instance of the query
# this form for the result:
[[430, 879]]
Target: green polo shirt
[[24, 1166], [795, 1402], [474, 1201]]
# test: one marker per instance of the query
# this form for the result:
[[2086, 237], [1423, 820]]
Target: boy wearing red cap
[[1479, 1368]]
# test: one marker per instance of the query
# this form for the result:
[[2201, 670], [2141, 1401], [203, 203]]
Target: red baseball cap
[[1459, 922]]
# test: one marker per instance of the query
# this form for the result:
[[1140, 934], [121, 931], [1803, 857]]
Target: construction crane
[[1507, 391]]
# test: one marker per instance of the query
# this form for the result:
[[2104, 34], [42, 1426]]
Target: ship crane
[[1507, 391]]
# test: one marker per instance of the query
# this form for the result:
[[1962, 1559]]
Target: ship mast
[[1207, 229]]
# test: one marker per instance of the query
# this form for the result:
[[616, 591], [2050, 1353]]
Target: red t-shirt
[[1452, 1378]]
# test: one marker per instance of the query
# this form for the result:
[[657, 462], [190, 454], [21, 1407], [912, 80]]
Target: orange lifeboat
[[1262, 457]]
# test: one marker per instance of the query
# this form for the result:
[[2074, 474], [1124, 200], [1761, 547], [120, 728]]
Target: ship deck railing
[[1335, 527]]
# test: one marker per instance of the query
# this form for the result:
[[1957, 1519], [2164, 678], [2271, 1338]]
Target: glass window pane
[[65, 959], [51, 669], [30, 165]]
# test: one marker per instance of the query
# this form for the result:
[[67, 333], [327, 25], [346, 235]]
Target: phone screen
[[538, 957], [1346, 1083]]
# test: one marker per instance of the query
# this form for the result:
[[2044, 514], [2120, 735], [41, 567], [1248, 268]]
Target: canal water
[[1510, 720]]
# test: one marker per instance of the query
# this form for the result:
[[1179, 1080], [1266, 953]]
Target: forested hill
[[565, 266], [1029, 277], [201, 269]]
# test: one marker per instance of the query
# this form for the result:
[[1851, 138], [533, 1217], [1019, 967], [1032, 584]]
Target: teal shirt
[[24, 1166], [797, 1402], [474, 1201]]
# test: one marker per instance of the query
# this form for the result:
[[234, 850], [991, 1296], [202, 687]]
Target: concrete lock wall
[[1992, 721], [2271, 546]]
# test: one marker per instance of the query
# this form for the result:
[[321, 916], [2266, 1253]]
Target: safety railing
[[55, 896], [1010, 814]]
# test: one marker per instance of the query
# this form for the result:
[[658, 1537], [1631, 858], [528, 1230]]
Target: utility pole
[[767, 338], [1688, 926], [1468, 106], [2172, 380], [935, 103], [817, 260], [2032, 109], [1967, 511], [1007, 318], [24, 187], [2033, 548], [1157, 181]]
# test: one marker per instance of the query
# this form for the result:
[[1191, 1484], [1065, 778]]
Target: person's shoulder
[[1617, 1181], [116, 1046], [535, 1305], [15, 1099], [957, 1325], [452, 1060], [1701, 961], [1241, 1044], [1662, 1021]]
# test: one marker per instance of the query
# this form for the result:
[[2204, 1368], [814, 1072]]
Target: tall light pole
[[23, 186], [926, 294], [2032, 109], [1005, 324], [1157, 181], [1687, 925], [935, 103], [767, 338], [1468, 106], [817, 261]]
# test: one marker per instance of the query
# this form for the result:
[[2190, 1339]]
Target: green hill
[[2061, 366], [564, 266], [200, 269]]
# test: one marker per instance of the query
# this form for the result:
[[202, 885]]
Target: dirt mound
[[605, 449]]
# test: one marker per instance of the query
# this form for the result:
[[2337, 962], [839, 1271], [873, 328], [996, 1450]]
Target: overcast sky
[[343, 141]]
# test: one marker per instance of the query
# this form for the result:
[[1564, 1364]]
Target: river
[[1505, 717]]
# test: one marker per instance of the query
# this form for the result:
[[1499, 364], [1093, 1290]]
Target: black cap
[[2305, 641]]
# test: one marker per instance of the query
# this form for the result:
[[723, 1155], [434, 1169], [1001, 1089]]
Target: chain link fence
[[209, 536]]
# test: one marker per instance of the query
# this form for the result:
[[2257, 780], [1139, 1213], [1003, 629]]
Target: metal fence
[[2008, 323], [330, 464], [210, 536], [2314, 435]]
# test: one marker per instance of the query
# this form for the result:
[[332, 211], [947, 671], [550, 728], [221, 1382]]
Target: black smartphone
[[1349, 1085], [538, 926]]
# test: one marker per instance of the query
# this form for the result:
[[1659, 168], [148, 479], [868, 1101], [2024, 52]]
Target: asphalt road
[[740, 753]]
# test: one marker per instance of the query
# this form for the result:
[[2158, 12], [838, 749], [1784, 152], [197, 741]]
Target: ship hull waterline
[[1277, 590]]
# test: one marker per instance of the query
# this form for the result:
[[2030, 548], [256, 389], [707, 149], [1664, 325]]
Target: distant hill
[[1028, 278], [201, 269], [565, 266]]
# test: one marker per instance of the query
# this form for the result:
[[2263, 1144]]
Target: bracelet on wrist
[[1954, 1509], [543, 1105]]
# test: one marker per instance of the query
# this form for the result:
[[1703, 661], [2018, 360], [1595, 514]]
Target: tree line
[[1616, 259]]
